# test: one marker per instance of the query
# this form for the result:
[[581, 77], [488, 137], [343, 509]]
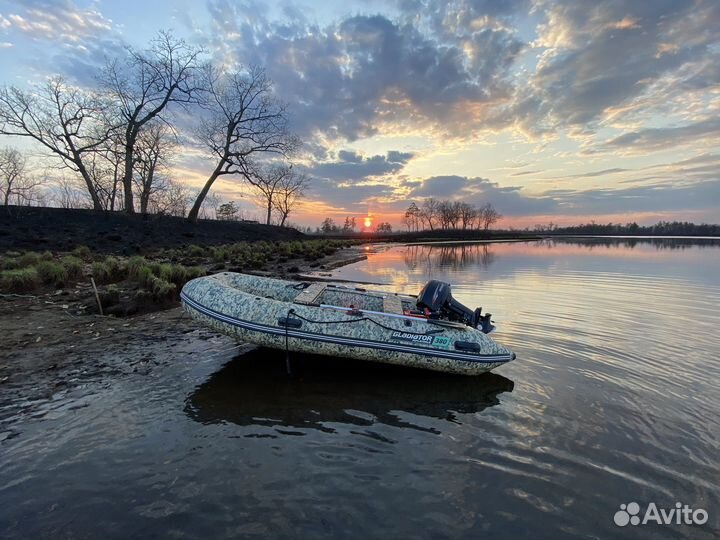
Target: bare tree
[[468, 214], [169, 198], [152, 152], [12, 170], [349, 225], [429, 212], [449, 214], [210, 206], [100, 171], [243, 120], [15, 185], [105, 167], [68, 194], [328, 226], [266, 182], [488, 216], [142, 86], [412, 217], [292, 188], [67, 121], [455, 213]]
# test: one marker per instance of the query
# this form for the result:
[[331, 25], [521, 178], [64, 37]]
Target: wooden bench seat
[[312, 294], [393, 304]]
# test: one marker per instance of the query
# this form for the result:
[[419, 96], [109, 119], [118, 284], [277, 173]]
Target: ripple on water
[[614, 397]]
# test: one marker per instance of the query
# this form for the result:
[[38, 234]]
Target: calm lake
[[614, 398]]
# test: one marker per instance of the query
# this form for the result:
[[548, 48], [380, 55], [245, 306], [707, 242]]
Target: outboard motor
[[436, 297]]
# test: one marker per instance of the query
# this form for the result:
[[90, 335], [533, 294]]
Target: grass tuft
[[19, 280], [110, 270], [82, 252], [161, 289], [29, 258], [52, 273], [134, 265], [110, 295], [73, 266]]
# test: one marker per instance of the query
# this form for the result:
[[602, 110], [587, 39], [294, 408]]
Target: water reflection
[[428, 258], [254, 389], [658, 243]]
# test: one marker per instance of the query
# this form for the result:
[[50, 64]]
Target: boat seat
[[393, 304], [311, 294]]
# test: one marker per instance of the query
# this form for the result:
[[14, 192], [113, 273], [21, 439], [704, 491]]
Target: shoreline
[[53, 340], [52, 343]]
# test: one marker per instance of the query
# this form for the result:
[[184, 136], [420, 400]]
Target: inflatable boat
[[431, 330]]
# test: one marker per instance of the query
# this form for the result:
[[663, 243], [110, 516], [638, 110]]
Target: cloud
[[599, 55], [352, 198], [64, 38], [663, 195], [651, 139], [56, 20], [512, 165], [690, 171], [442, 186], [602, 172], [650, 198], [594, 174], [525, 173], [354, 167], [509, 200], [446, 68], [351, 78]]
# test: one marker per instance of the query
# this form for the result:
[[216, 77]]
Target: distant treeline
[[662, 228]]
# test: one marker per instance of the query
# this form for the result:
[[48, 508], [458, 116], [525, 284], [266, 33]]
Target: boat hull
[[220, 303]]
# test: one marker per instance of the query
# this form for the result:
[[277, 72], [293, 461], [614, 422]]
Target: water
[[614, 398]]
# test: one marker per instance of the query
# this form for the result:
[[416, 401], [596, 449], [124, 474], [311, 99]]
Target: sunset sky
[[561, 111]]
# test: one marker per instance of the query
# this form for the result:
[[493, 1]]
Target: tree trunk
[[97, 205], [130, 139], [147, 189], [144, 200], [113, 194], [269, 211], [195, 210]]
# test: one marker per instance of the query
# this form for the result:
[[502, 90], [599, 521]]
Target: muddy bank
[[54, 338], [48, 349], [59, 229], [141, 283]]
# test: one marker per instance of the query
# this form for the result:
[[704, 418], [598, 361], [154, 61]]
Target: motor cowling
[[436, 297]]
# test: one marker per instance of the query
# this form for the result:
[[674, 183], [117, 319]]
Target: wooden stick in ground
[[97, 296]]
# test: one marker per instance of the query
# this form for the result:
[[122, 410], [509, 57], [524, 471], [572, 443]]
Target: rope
[[351, 321], [298, 286], [287, 348]]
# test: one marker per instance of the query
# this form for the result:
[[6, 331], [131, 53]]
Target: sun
[[368, 222]]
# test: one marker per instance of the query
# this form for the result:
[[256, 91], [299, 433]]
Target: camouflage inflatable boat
[[431, 331]]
